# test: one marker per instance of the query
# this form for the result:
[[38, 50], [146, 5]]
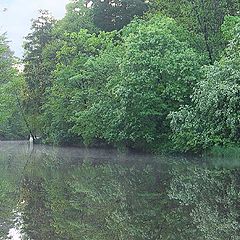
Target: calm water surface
[[99, 194]]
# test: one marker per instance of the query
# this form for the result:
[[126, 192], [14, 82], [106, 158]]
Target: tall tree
[[36, 72]]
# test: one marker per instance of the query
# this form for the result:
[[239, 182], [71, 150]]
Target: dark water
[[97, 194]]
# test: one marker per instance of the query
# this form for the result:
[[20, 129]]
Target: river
[[102, 194]]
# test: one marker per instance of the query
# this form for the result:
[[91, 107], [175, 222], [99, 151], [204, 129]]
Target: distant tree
[[6, 60], [12, 124]]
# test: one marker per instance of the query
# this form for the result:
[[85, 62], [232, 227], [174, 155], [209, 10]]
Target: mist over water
[[77, 193]]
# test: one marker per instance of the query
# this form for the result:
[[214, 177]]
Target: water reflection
[[100, 194]]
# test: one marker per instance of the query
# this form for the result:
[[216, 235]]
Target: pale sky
[[16, 20]]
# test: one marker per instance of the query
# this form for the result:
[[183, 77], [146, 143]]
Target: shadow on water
[[101, 194]]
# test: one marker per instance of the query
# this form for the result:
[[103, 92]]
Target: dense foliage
[[150, 75], [120, 87], [214, 116]]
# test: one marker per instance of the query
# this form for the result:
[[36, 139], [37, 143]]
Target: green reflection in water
[[12, 163], [67, 193]]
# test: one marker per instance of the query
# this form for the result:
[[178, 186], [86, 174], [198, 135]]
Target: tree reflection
[[64, 197], [210, 197]]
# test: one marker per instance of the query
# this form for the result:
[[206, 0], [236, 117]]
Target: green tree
[[70, 81], [149, 75]]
